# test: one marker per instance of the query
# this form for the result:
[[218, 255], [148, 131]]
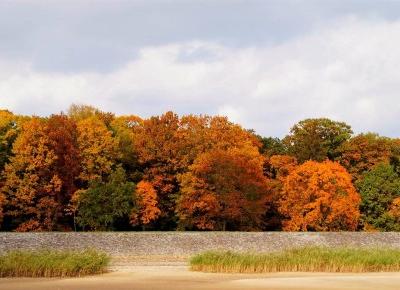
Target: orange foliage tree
[[319, 197], [224, 189], [31, 181], [279, 166], [199, 134], [145, 210]]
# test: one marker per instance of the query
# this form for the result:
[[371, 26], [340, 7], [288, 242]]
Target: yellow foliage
[[97, 147], [31, 186]]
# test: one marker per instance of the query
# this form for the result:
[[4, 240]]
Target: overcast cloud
[[264, 64]]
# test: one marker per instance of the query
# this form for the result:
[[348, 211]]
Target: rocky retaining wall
[[187, 243]]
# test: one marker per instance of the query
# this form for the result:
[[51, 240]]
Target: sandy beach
[[178, 277]]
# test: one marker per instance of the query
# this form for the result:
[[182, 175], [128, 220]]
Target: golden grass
[[309, 259], [50, 263]]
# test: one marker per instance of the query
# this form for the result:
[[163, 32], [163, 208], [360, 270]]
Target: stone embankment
[[176, 247]]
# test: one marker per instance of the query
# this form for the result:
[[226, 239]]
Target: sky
[[264, 64]]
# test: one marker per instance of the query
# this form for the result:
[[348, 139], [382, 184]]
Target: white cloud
[[347, 71]]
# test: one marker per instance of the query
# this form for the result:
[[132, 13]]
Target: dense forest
[[92, 170]]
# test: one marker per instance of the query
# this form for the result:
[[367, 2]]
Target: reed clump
[[51, 263], [309, 259]]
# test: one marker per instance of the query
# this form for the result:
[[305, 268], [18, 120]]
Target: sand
[[180, 278]]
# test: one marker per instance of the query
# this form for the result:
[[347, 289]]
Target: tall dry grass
[[50, 263], [310, 259]]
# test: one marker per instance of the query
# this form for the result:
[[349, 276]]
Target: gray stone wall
[[188, 243]]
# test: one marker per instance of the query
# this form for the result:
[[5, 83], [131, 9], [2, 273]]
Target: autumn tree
[[82, 112], [123, 128], [146, 209], [319, 197], [277, 168], [224, 135], [199, 134], [98, 149], [63, 137], [193, 172], [395, 154], [8, 134], [10, 126], [167, 145], [31, 183], [364, 151], [317, 139], [379, 188], [104, 202], [224, 189], [157, 144]]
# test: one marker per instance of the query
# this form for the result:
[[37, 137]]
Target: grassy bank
[[311, 259], [48, 263]]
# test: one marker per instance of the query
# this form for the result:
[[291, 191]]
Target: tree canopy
[[317, 139], [104, 202], [379, 188], [224, 189], [94, 170]]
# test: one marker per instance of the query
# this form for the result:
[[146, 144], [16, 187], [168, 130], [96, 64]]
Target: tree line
[[92, 170]]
